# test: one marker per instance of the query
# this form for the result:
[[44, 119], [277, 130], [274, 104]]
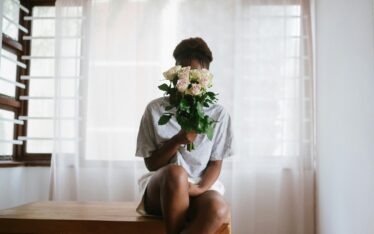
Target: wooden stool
[[81, 217]]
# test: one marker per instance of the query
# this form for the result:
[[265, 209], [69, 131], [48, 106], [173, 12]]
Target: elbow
[[150, 166], [216, 164]]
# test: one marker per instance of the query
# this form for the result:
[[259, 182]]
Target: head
[[193, 52]]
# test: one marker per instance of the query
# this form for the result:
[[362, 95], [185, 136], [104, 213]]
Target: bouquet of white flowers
[[188, 92]]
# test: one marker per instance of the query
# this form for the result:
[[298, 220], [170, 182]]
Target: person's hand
[[195, 190], [186, 137]]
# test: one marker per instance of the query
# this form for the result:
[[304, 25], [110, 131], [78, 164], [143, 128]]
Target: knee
[[218, 210], [175, 177]]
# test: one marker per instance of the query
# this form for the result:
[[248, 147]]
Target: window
[[41, 97], [11, 12], [26, 104], [41, 83], [275, 61]]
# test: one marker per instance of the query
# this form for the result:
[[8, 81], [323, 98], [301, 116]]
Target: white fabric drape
[[263, 74]]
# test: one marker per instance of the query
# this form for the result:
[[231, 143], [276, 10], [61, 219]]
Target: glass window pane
[[42, 67], [41, 87], [39, 146], [46, 87], [8, 70], [43, 27], [45, 11], [11, 10], [43, 47], [40, 108], [39, 128], [6, 132]]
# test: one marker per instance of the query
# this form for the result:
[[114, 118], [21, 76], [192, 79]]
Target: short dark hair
[[193, 48]]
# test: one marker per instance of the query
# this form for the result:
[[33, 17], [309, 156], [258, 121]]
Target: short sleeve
[[222, 138], [146, 142]]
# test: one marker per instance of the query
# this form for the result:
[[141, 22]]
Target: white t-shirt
[[152, 136]]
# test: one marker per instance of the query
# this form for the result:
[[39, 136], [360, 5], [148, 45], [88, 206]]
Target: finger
[[193, 132]]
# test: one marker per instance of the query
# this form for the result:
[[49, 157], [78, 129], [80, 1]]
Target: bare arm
[[161, 156], [208, 178]]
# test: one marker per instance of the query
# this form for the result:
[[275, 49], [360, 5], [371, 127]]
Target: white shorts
[[144, 180]]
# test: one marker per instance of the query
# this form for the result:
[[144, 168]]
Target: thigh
[[206, 202], [166, 177], [152, 201]]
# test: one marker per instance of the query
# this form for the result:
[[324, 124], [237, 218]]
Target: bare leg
[[208, 212], [167, 195]]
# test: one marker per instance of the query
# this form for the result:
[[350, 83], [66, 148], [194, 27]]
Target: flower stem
[[190, 147]]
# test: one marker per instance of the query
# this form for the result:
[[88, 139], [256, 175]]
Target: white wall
[[20, 185], [345, 116]]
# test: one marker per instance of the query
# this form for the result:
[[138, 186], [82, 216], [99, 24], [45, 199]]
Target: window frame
[[12, 103], [20, 107]]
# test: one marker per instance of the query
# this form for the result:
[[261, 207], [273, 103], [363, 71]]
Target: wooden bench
[[81, 217]]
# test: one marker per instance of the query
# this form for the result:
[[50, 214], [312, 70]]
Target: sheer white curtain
[[263, 74]]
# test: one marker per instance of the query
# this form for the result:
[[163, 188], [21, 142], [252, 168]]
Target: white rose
[[204, 81], [195, 89], [184, 73], [195, 74], [182, 85], [172, 72], [206, 78]]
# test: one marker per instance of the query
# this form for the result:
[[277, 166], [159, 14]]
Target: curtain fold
[[263, 73]]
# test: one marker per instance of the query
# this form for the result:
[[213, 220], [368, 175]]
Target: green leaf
[[183, 106], [200, 127], [211, 94], [164, 119], [209, 132], [183, 103], [200, 111], [164, 87]]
